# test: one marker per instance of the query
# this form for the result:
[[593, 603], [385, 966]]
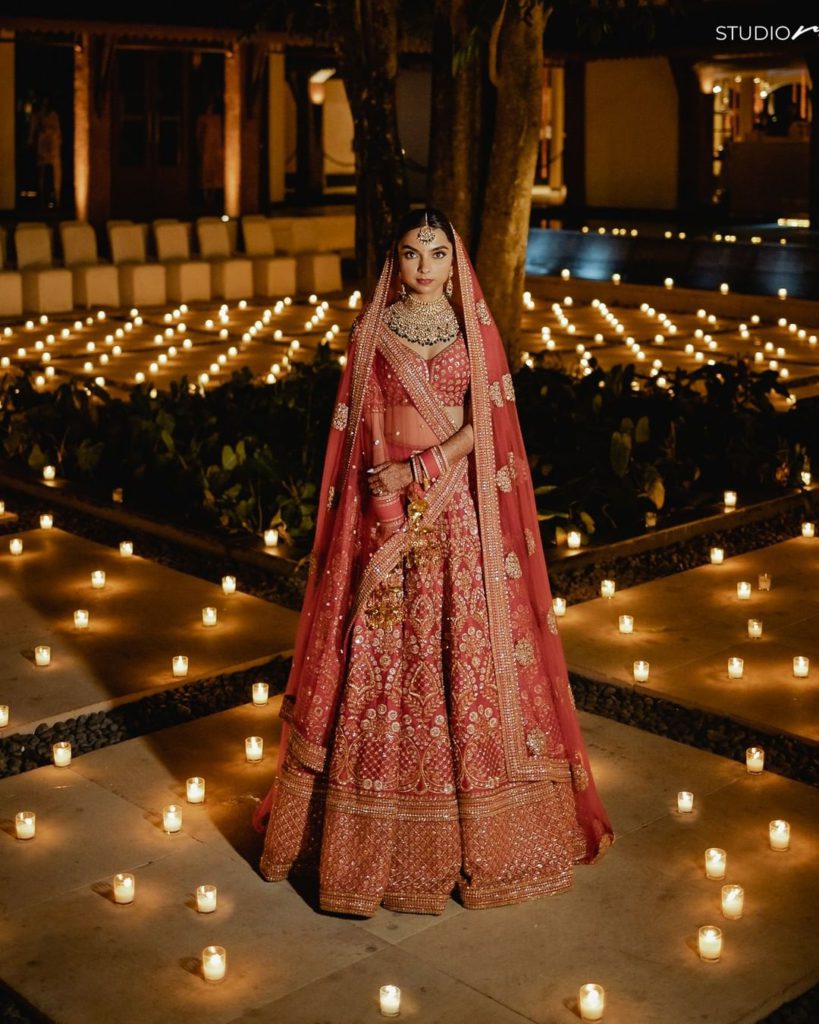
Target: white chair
[[95, 283], [188, 280], [140, 283], [11, 285], [46, 288], [272, 275], [231, 276]]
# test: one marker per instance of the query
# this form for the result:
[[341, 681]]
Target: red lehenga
[[430, 738]]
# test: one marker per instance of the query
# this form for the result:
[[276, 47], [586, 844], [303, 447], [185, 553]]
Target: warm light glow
[[206, 899], [591, 1001], [626, 623], [61, 754], [754, 760], [779, 835], [389, 1000], [124, 886], [709, 943], [733, 898], [229, 584], [214, 958], [25, 824], [685, 802], [171, 818], [195, 790], [42, 655], [641, 671], [261, 694], [715, 862], [717, 556], [254, 748]]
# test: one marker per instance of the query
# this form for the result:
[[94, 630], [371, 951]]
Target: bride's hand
[[389, 477]]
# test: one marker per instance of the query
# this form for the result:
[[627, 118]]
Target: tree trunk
[[455, 181], [366, 42], [508, 199]]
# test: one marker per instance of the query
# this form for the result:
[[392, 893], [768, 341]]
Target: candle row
[[736, 666], [123, 887]]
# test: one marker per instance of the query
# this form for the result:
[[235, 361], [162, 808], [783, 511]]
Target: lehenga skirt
[[416, 800]]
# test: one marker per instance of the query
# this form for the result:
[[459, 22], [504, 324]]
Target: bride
[[430, 740]]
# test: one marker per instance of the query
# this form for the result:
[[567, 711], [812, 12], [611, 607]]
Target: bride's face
[[424, 269]]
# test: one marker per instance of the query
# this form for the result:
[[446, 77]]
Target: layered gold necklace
[[423, 323]]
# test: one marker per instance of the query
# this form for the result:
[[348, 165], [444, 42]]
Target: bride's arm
[[462, 441]]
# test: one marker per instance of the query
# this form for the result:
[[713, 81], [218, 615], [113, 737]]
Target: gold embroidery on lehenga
[[502, 479], [580, 778], [512, 562], [495, 393], [536, 742], [524, 651], [530, 540], [508, 388], [551, 621], [340, 414], [331, 496], [511, 460], [482, 310]]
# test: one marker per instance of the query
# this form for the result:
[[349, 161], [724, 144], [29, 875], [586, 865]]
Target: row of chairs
[[217, 271]]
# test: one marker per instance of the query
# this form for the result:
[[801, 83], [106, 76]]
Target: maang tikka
[[426, 234]]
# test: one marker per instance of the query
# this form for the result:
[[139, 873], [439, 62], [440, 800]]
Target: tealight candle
[[764, 581], [2, 508], [206, 899], [49, 472], [98, 579], [61, 754], [641, 671], [214, 963], [271, 538], [717, 556], [715, 862], [16, 545], [709, 943], [754, 628], [46, 521], [254, 748], [180, 665], [42, 655], [573, 538], [209, 616], [651, 520], [736, 667], [744, 590], [779, 835], [4, 715], [389, 1000], [685, 802], [196, 790], [559, 606], [124, 886], [801, 666], [754, 760], [808, 529], [126, 548], [733, 898], [25, 824], [607, 588], [116, 495], [81, 618], [591, 1000], [626, 623], [730, 499], [171, 818], [261, 693], [228, 584]]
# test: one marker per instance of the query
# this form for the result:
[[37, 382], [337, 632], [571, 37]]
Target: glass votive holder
[[764, 581], [261, 694], [744, 590], [16, 546], [42, 655], [709, 943], [61, 754], [46, 521], [195, 790], [779, 835], [124, 887], [685, 802], [808, 529], [801, 666], [126, 548], [209, 616], [206, 899], [228, 584], [81, 618], [180, 665], [25, 824], [254, 749], [754, 628], [389, 1000], [651, 520], [591, 1001], [736, 667], [573, 539], [715, 862], [729, 500], [607, 588], [49, 472], [271, 537], [4, 715], [717, 556], [98, 579], [171, 818], [733, 900], [626, 623], [754, 760], [640, 669], [214, 963], [559, 606]]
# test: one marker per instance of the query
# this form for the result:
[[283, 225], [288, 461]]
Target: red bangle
[[430, 465], [388, 506]]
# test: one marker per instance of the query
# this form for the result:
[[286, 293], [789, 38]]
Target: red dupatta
[[528, 655]]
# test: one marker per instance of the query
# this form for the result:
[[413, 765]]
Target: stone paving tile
[[688, 625], [145, 615], [628, 923]]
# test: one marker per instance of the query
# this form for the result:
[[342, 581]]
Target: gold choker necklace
[[423, 323]]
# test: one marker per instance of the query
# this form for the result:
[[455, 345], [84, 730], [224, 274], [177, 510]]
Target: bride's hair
[[415, 219]]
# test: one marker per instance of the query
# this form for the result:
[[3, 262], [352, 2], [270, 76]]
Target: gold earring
[[448, 288], [402, 291]]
